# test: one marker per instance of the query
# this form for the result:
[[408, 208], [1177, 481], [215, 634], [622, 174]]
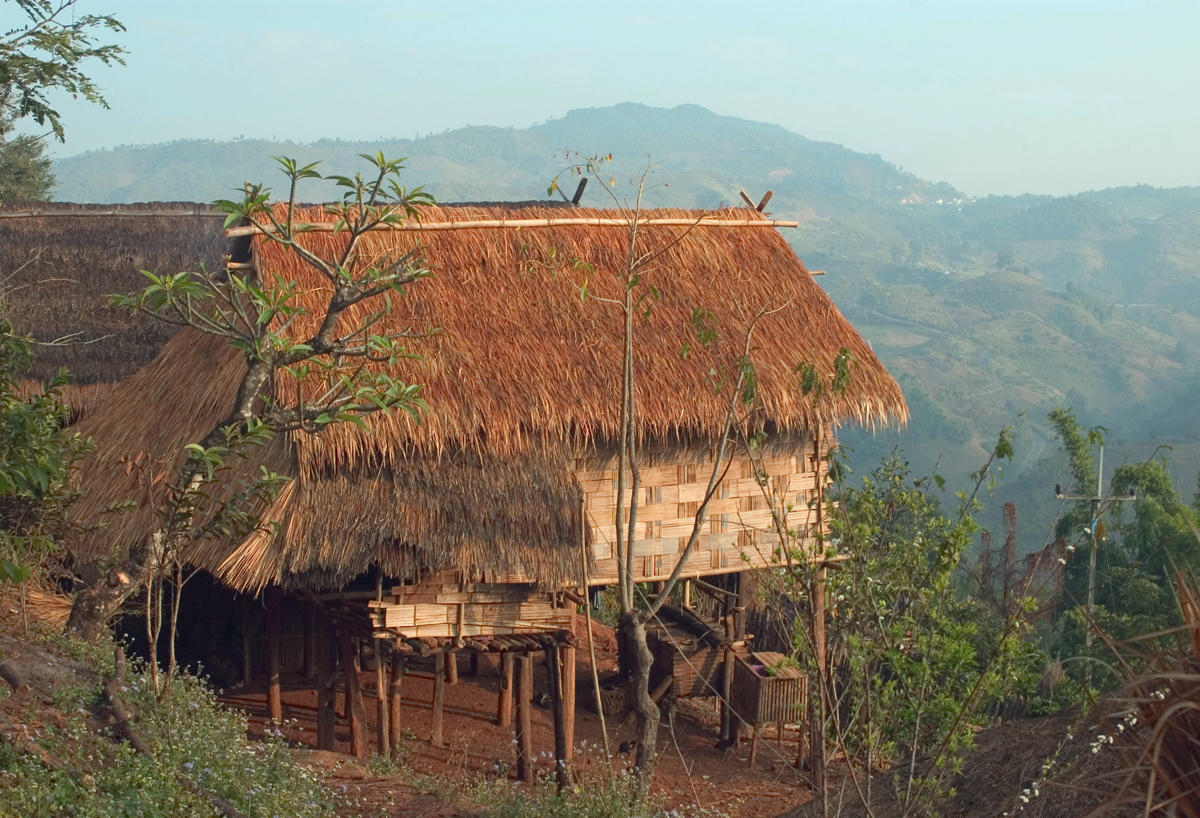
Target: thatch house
[[476, 528]]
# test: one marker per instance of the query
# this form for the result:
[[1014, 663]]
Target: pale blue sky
[[1055, 96]]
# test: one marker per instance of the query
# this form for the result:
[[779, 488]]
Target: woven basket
[[611, 698]]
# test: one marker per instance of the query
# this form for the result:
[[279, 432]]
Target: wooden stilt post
[[395, 701], [504, 704], [474, 663], [451, 668], [354, 700], [525, 718], [383, 710], [554, 668], [274, 697], [568, 687], [439, 700], [310, 641], [247, 665], [326, 692]]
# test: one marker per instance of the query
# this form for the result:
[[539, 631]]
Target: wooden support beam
[[568, 686], [745, 198], [274, 602], [525, 718], [504, 703], [762, 205], [355, 709], [579, 191], [439, 702], [326, 692], [383, 710], [451, 660], [396, 679], [554, 678]]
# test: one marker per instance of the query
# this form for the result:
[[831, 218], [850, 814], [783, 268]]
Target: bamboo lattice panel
[[737, 533]]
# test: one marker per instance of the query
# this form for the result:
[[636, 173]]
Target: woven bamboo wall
[[737, 534], [440, 606]]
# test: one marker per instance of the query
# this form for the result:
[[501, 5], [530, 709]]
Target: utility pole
[[1098, 503]]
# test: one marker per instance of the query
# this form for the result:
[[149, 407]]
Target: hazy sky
[[1054, 96]]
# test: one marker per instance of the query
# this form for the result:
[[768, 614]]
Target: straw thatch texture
[[81, 401], [72, 262], [520, 356], [481, 516], [521, 378]]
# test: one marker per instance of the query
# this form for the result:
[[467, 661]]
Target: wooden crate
[[696, 666], [760, 698]]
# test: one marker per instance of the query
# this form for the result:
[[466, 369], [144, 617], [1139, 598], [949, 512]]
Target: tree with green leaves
[[48, 52], [36, 457], [917, 660], [1139, 547], [343, 366], [25, 173]]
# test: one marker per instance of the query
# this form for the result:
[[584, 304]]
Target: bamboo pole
[[587, 610], [491, 224]]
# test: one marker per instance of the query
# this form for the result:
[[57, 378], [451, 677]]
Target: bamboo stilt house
[[481, 520]]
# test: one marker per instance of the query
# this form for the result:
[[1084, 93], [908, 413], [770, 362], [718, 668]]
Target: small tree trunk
[[644, 706], [95, 606]]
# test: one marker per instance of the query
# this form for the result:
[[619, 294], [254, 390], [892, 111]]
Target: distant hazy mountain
[[708, 157], [986, 309]]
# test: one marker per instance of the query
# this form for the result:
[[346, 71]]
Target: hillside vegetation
[[984, 308]]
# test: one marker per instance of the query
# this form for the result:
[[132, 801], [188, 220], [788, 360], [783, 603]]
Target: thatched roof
[[521, 377], [64, 265]]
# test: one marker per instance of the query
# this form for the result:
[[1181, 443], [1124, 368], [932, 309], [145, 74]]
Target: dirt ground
[[691, 770]]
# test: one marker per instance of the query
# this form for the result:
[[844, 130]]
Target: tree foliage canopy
[[48, 53]]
